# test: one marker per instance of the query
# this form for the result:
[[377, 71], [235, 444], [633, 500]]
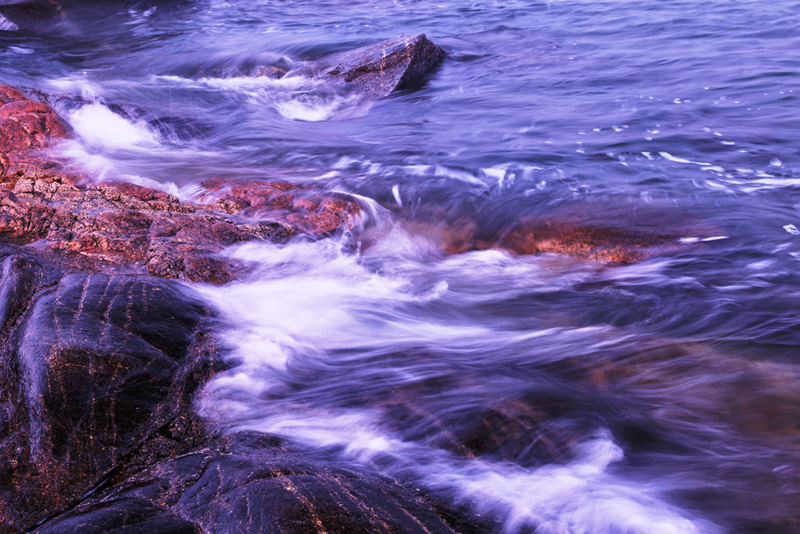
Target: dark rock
[[124, 516], [23, 14], [250, 482], [93, 366], [376, 70]]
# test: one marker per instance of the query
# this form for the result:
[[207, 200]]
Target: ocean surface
[[548, 393]]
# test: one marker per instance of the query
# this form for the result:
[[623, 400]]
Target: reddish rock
[[612, 234], [608, 245], [123, 222], [270, 71], [26, 128], [22, 219], [10, 94], [128, 223], [25, 124]]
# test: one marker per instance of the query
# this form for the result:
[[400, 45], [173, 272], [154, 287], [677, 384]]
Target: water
[[548, 392]]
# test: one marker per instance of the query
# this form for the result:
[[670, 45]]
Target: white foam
[[669, 157], [580, 496], [104, 139], [295, 97], [322, 109], [102, 128], [80, 84], [312, 301]]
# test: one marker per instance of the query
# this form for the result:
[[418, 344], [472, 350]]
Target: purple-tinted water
[[549, 393]]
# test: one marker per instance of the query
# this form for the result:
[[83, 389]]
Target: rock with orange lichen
[[118, 222], [616, 246], [312, 211], [25, 126], [42, 199], [124, 222]]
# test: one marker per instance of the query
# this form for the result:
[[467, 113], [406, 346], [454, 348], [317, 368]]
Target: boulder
[[376, 70], [93, 367]]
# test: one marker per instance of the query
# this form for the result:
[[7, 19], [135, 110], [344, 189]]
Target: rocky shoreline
[[103, 352], [103, 356]]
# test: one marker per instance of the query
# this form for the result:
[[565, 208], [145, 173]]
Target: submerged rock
[[24, 14], [376, 70], [610, 234]]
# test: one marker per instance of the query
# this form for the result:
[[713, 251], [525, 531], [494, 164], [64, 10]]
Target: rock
[[24, 14], [120, 222], [610, 234], [615, 246], [27, 128], [25, 124], [529, 430], [123, 516], [93, 366], [312, 211], [250, 482], [376, 70], [20, 218]]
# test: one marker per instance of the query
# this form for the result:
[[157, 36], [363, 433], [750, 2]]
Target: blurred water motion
[[627, 361]]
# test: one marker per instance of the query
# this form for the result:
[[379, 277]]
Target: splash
[[318, 307]]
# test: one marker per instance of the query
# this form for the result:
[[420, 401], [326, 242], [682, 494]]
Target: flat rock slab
[[376, 70]]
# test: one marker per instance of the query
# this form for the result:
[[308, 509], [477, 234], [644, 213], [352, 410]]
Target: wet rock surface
[[376, 70], [97, 431], [609, 234], [25, 14], [100, 362], [250, 482], [93, 366]]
